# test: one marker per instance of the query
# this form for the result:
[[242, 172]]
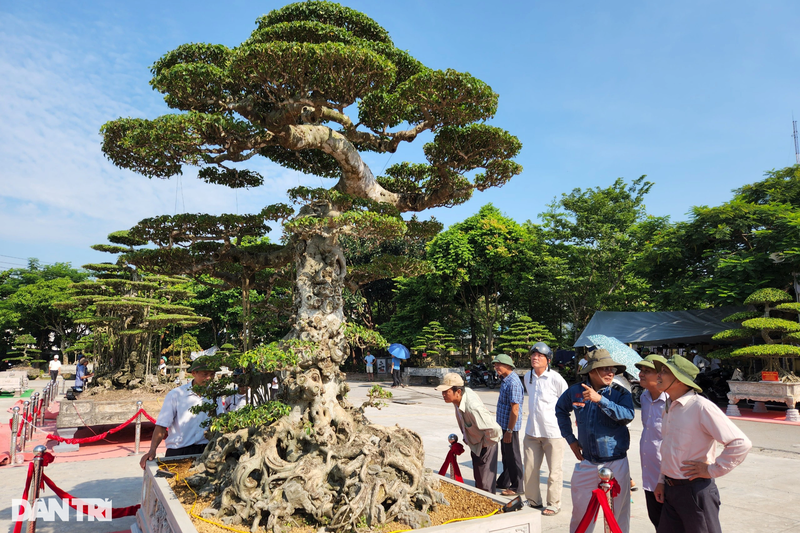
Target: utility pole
[[796, 144]]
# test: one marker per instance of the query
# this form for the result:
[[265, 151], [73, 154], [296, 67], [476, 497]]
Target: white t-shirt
[[184, 427], [274, 383], [543, 393], [234, 402], [55, 365]]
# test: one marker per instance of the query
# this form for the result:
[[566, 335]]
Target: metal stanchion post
[[138, 426], [33, 491], [26, 408], [606, 475], [14, 428], [39, 418], [32, 415], [46, 396], [63, 386]]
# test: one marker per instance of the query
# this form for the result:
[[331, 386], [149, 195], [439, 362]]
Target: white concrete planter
[[161, 512], [764, 391], [433, 374]]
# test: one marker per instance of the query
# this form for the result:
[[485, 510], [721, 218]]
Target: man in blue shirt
[[396, 373], [509, 416], [603, 410], [369, 360]]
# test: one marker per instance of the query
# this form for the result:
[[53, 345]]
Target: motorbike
[[478, 375], [714, 384]]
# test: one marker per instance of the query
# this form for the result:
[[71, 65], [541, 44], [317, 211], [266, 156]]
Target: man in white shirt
[[691, 428], [542, 435], [55, 367], [186, 435]]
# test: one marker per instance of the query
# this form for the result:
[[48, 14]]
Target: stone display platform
[[161, 512], [74, 414], [430, 376], [764, 391]]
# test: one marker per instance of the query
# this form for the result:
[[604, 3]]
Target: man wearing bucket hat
[[542, 437], [603, 409], [186, 436], [480, 431], [691, 429], [653, 402], [509, 416]]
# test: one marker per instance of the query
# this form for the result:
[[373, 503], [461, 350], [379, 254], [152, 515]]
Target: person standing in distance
[[481, 432], [603, 409], [509, 416], [692, 427], [653, 403], [55, 368], [542, 437], [369, 360], [396, 372], [186, 435]]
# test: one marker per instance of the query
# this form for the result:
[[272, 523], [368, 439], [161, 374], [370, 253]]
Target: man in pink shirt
[[691, 428]]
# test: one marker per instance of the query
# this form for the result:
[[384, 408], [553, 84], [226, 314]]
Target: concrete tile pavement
[[760, 495]]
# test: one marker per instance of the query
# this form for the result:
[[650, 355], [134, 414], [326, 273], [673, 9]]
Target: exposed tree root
[[325, 463]]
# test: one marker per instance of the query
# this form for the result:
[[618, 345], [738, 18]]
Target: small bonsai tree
[[23, 352], [523, 334], [777, 333], [435, 342]]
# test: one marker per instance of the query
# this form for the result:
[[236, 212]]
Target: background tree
[[723, 254], [594, 234], [435, 342], [484, 258], [24, 351], [517, 340], [290, 93]]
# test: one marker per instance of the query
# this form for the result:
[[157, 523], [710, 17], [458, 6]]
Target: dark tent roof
[[663, 327]]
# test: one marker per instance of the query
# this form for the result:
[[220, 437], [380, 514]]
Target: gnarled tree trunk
[[324, 463]]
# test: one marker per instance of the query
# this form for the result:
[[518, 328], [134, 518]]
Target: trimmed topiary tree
[[521, 335], [779, 335], [435, 342], [291, 93]]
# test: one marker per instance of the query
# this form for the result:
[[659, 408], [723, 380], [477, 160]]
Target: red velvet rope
[[105, 434], [455, 449], [599, 500], [28, 479], [117, 512]]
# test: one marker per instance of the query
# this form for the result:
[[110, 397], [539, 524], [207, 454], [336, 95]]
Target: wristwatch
[[509, 431]]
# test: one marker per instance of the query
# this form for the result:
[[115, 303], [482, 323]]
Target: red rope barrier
[[105, 434], [28, 479], [455, 449], [599, 500], [117, 512]]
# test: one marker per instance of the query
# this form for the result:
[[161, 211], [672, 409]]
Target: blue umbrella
[[620, 352], [399, 351]]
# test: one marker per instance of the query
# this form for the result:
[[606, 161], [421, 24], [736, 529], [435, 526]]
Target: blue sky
[[696, 94]]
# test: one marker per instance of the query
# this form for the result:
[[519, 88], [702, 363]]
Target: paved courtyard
[[760, 495]]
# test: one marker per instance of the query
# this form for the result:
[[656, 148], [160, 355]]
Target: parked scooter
[[714, 384], [478, 375]]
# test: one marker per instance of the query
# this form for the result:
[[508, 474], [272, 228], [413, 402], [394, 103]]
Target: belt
[[678, 482]]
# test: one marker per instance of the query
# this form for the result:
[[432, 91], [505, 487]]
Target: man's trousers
[[511, 478], [552, 450], [585, 479], [484, 468], [690, 508]]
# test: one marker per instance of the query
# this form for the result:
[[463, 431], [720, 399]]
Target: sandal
[[508, 492], [550, 511]]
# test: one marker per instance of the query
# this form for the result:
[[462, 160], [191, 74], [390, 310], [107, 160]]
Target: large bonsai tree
[[314, 87]]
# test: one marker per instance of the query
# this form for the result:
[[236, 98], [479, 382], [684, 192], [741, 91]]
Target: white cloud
[[55, 184]]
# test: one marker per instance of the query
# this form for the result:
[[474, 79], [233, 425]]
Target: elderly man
[[186, 436], [509, 416], [55, 368], [653, 403], [542, 437], [691, 429], [480, 431], [603, 409]]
